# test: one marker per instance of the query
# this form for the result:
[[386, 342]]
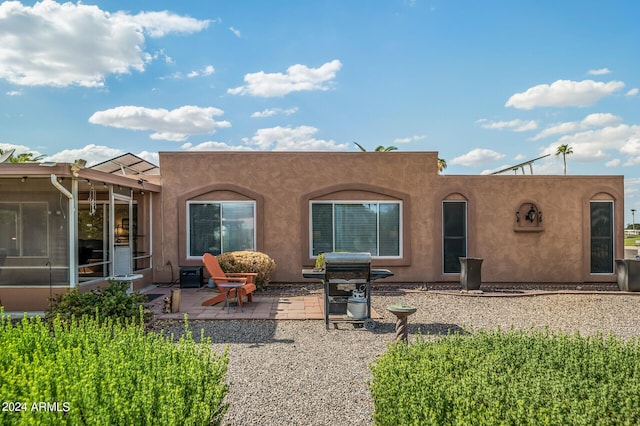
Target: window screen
[[24, 229], [372, 227]]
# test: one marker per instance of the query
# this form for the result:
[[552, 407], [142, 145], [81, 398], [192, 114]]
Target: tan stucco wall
[[283, 182]]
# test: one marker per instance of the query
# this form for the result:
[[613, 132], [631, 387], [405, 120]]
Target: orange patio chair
[[218, 276]]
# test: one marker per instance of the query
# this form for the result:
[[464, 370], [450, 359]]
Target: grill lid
[[347, 259]]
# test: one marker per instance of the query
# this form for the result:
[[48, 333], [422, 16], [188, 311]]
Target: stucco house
[[63, 226], [395, 205]]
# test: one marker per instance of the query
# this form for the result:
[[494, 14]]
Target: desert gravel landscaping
[[297, 372]]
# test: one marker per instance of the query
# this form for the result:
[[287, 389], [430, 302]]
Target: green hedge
[[513, 378], [111, 301], [107, 373]]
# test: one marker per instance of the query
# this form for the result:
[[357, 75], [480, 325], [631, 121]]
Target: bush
[[112, 301], [249, 261], [523, 378], [107, 373]]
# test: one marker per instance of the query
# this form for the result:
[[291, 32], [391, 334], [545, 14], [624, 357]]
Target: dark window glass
[[454, 231], [389, 239], [205, 234], [322, 225], [601, 237], [221, 227]]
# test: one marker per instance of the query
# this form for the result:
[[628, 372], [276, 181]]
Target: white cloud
[[632, 92], [495, 169], [20, 149], [94, 154], [14, 93], [601, 71], [151, 157], [632, 192], [631, 147], [174, 125], [551, 165], [270, 112], [563, 93], [298, 78], [515, 125], [613, 163], [235, 32], [591, 120], [413, 138], [595, 145], [601, 119], [477, 157], [208, 70], [299, 138], [52, 44], [214, 146], [159, 24]]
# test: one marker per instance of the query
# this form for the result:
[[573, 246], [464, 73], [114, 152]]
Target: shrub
[[523, 378], [107, 373], [248, 261], [111, 301]]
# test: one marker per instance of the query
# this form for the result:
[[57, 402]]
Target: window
[[349, 226], [601, 237], [24, 229], [454, 235], [219, 227]]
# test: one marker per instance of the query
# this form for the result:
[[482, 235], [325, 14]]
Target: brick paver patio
[[307, 307]]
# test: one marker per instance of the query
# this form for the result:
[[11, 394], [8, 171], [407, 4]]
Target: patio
[[264, 306]]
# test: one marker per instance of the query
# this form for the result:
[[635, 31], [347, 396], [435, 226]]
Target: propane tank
[[357, 305]]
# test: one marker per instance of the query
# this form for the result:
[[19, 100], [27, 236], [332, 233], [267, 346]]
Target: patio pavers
[[306, 307]]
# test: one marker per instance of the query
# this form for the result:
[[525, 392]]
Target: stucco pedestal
[[402, 312]]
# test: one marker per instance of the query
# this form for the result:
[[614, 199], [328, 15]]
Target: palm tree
[[379, 148], [565, 150], [442, 164], [24, 157]]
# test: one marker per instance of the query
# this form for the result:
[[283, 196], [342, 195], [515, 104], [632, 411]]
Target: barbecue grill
[[347, 287]]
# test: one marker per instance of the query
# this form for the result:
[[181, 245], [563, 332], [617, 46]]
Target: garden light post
[[633, 220]]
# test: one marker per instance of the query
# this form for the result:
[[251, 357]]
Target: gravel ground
[[299, 373]]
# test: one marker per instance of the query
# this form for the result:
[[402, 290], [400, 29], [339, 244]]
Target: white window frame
[[221, 202], [466, 232], [333, 225]]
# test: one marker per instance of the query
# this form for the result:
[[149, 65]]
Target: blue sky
[[487, 84]]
